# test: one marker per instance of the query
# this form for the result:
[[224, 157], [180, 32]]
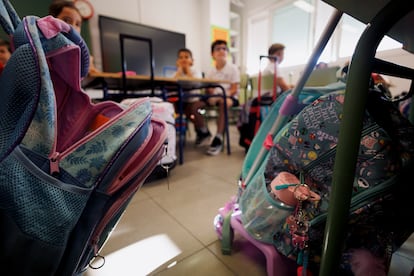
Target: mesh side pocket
[[42, 207], [19, 98], [262, 215]]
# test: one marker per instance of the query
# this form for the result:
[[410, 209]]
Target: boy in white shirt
[[223, 70], [185, 70], [276, 50]]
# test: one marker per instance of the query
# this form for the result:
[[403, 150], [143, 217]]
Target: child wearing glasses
[[222, 70]]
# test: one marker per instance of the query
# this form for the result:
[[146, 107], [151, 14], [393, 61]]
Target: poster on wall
[[220, 33]]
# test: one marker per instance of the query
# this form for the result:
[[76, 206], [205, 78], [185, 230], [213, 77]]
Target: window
[[258, 42], [324, 13], [351, 30], [292, 26], [299, 24]]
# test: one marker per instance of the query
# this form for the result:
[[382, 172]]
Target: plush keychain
[[290, 190]]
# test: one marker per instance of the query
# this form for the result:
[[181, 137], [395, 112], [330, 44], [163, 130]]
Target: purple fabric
[[289, 106], [51, 26]]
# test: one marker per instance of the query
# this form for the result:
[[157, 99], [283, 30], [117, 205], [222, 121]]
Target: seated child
[[185, 70], [228, 72]]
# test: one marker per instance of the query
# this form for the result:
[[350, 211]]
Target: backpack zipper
[[362, 199], [114, 209], [55, 157], [330, 152], [104, 106]]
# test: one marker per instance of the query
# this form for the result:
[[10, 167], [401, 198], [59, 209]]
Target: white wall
[[194, 18], [191, 17]]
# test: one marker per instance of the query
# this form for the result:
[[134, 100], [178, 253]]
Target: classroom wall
[[23, 8], [191, 17], [38, 7]]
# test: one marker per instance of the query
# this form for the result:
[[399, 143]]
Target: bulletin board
[[219, 33]]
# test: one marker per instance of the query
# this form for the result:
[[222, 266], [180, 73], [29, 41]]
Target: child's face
[[184, 59], [72, 17], [220, 52], [4, 54], [280, 54]]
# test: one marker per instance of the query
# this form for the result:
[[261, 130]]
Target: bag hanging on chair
[[302, 157]]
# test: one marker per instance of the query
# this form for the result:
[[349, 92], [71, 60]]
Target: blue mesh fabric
[[19, 84], [9, 19], [42, 210]]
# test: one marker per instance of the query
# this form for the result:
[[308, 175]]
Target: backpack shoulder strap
[[23, 93], [9, 19]]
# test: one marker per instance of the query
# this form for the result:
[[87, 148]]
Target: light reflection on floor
[[139, 258]]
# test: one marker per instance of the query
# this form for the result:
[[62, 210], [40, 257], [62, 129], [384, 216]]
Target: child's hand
[[183, 69], [92, 68], [179, 70], [186, 69]]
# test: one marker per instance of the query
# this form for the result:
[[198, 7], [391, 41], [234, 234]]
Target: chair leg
[[226, 128], [276, 264]]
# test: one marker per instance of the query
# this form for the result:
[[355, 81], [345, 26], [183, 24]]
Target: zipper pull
[[98, 260], [54, 164]]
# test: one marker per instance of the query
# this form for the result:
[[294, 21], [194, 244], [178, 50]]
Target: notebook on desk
[[323, 76]]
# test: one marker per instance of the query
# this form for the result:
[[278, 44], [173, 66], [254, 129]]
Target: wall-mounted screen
[[165, 45]]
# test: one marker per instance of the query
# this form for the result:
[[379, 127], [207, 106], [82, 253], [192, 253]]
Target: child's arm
[[188, 72], [92, 68], [283, 84], [229, 92], [232, 90]]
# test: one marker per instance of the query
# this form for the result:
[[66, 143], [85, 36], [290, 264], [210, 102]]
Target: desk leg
[[180, 126], [105, 90], [226, 121], [226, 125]]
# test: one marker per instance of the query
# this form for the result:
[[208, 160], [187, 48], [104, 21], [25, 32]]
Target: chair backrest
[[244, 88], [323, 76], [266, 85], [169, 71]]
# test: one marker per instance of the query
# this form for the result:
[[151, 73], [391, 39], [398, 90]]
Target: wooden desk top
[[142, 82]]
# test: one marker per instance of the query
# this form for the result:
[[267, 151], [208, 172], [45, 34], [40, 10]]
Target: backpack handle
[[9, 19], [50, 27], [75, 37], [27, 37]]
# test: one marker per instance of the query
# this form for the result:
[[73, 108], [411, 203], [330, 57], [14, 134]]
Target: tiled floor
[[168, 227]]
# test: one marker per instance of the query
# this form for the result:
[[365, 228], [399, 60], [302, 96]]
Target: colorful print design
[[308, 146]]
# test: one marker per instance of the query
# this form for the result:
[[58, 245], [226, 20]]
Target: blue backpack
[[68, 167], [285, 203]]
